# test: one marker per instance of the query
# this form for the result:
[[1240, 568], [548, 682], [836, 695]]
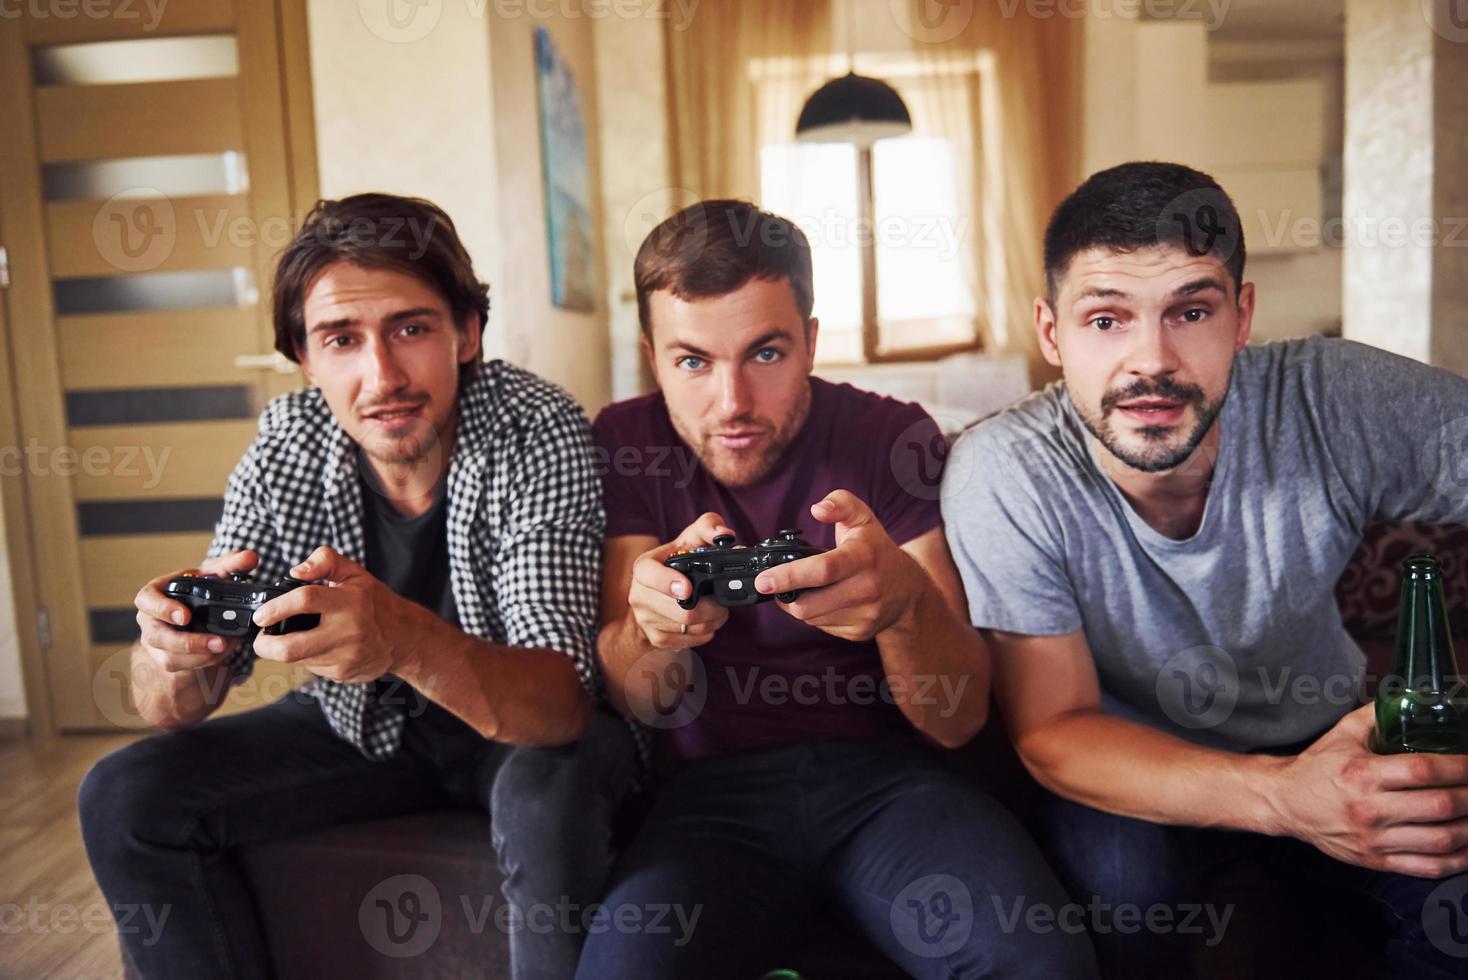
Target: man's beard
[[1158, 455], [399, 456], [735, 469]]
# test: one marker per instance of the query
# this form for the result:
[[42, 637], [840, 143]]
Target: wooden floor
[[53, 920]]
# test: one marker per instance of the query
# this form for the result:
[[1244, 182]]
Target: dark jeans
[[739, 852], [1212, 881], [161, 818]]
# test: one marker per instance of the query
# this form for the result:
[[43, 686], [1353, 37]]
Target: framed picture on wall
[[568, 218]]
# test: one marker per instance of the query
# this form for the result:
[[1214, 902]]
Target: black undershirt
[[410, 555]]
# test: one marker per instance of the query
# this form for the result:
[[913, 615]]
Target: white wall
[[444, 107]]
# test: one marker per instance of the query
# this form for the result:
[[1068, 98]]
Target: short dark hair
[[375, 231], [1142, 205], [712, 248]]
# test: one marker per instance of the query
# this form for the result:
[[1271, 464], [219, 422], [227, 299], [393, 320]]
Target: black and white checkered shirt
[[525, 524]]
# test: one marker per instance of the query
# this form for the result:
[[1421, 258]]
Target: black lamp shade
[[853, 109]]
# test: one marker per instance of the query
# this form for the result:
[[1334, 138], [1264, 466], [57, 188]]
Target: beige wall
[[1207, 115], [568, 347], [1299, 289], [444, 107], [636, 175], [1406, 148], [407, 114]]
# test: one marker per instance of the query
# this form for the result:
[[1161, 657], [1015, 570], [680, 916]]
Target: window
[[918, 240]]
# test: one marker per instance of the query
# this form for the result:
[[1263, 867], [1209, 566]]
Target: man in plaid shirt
[[449, 513]]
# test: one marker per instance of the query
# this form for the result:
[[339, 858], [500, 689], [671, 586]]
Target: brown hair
[[712, 248], [375, 231]]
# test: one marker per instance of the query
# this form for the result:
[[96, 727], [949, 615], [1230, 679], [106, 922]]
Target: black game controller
[[226, 606], [727, 570]]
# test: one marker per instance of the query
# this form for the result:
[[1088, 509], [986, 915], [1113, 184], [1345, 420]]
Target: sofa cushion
[[411, 896]]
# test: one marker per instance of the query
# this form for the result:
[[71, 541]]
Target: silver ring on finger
[[684, 628]]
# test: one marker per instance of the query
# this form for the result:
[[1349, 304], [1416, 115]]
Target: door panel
[[101, 122], [158, 234]]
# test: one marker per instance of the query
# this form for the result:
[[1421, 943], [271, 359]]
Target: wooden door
[[153, 161]]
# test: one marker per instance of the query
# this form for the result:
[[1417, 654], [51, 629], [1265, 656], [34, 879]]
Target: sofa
[[324, 897]]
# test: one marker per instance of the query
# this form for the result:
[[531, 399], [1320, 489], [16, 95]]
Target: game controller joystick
[[226, 606], [726, 570]]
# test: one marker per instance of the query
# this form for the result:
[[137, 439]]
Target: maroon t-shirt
[[770, 679]]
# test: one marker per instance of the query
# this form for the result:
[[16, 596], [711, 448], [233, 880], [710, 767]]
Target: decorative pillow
[[1369, 587]]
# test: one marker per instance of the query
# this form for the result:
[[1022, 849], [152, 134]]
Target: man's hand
[[1402, 813], [866, 585], [366, 629], [652, 599], [175, 650]]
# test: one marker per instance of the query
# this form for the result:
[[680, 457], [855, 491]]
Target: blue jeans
[[738, 852], [161, 817], [1108, 862]]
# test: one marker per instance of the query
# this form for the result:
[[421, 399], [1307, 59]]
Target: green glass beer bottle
[[1422, 706]]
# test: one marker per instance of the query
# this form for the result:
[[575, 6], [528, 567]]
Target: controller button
[[228, 615], [736, 584]]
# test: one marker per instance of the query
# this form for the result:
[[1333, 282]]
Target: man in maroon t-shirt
[[795, 742]]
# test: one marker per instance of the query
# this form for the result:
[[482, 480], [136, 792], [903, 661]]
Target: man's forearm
[[938, 668], [517, 695], [175, 699], [626, 655], [1127, 768]]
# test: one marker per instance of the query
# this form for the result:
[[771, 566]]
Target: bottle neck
[[1424, 654]]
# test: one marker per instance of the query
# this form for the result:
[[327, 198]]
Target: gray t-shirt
[[1231, 637]]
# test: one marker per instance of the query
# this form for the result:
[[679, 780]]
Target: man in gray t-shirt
[[1151, 548]]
